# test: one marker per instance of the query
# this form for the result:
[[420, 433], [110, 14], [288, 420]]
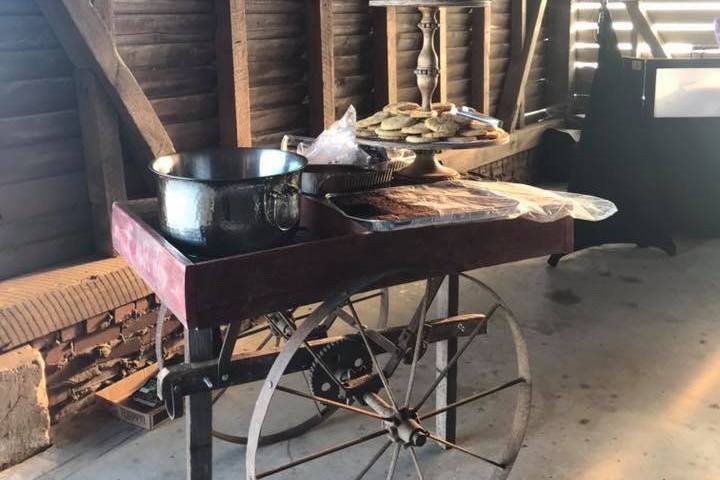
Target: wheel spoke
[[413, 455], [373, 460], [309, 387], [472, 398], [455, 358], [377, 337], [265, 341], [393, 462], [323, 453], [418, 344], [331, 403], [444, 442], [324, 366], [375, 362]]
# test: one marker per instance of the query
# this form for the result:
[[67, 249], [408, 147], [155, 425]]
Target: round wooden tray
[[434, 146]]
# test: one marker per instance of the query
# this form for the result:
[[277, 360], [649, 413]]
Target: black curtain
[[615, 160]]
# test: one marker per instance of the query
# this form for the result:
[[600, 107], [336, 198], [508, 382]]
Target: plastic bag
[[540, 205], [337, 145]]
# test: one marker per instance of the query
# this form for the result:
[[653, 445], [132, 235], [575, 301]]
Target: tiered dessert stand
[[426, 167]]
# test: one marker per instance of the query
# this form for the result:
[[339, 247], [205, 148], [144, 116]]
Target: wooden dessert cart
[[332, 260]]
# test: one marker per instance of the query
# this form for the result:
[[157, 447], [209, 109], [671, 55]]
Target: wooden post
[[233, 76], [519, 13], [561, 57], [102, 150], [380, 60], [322, 64], [480, 60], [443, 54], [198, 410], [643, 26], [391, 52], [513, 92], [87, 41]]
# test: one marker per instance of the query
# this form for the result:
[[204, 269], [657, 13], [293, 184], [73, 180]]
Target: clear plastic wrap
[[337, 145], [458, 201]]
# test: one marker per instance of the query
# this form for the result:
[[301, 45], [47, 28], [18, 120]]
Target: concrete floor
[[625, 356]]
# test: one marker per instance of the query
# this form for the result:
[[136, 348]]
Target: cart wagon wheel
[[272, 332], [394, 390]]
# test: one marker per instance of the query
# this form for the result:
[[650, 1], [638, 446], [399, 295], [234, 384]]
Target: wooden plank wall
[[685, 27], [354, 62], [44, 207], [278, 64], [170, 48]]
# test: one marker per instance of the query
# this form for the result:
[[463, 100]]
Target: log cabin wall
[[170, 48], [44, 206], [686, 28]]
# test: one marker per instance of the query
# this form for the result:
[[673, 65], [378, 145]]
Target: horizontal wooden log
[[32, 97], [277, 119], [45, 227], [42, 196], [165, 23], [28, 32], [40, 160], [174, 82], [38, 128], [194, 135], [29, 257], [267, 96], [34, 64], [161, 6], [170, 55], [186, 108]]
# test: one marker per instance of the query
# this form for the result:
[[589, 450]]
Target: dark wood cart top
[[206, 293]]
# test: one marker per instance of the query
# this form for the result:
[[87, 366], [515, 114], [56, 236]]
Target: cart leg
[[199, 346], [447, 304]]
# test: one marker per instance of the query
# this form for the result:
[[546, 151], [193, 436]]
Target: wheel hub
[[403, 427]]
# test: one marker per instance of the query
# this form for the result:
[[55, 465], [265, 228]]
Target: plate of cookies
[[406, 125]]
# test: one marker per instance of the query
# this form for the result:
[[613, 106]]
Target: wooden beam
[[233, 74], [322, 64], [102, 151], [513, 93], [87, 41], [392, 71], [642, 24], [480, 60], [561, 60], [380, 57], [518, 33], [442, 54]]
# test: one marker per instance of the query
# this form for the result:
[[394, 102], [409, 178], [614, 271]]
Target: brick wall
[[85, 357]]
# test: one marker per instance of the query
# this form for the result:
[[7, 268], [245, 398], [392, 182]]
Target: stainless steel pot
[[229, 200]]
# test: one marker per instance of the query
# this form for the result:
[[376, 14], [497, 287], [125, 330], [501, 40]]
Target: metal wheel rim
[[523, 397]]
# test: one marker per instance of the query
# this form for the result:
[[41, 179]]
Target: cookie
[[417, 129], [459, 119], [434, 135], [422, 114], [389, 134], [444, 125], [396, 123], [401, 108], [366, 133], [418, 139], [473, 132], [461, 139], [442, 107], [490, 135], [373, 120]]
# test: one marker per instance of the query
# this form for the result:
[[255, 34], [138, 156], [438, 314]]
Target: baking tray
[[479, 205]]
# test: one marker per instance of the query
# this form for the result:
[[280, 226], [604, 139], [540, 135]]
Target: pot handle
[[275, 202]]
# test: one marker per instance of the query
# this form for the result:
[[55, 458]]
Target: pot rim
[[303, 164]]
